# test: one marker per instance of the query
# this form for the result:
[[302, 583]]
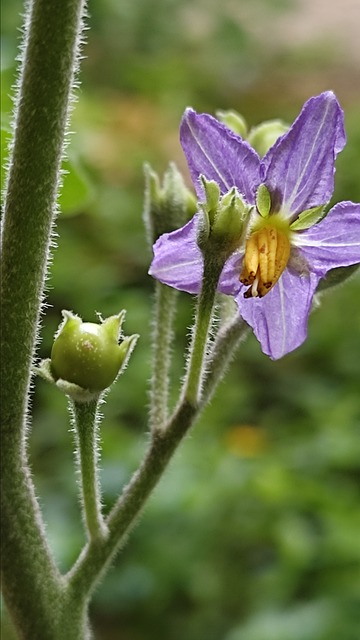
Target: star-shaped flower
[[288, 245]]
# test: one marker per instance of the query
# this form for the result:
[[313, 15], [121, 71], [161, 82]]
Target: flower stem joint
[[87, 357]]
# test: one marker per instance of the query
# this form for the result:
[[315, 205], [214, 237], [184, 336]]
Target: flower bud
[[265, 135], [234, 121], [168, 206], [87, 354]]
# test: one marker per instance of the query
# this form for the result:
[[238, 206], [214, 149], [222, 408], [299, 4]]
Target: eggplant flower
[[289, 242]]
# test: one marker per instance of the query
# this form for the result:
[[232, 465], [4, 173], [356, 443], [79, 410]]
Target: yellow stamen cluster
[[267, 252]]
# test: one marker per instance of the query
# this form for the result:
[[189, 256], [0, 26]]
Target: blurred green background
[[253, 533]]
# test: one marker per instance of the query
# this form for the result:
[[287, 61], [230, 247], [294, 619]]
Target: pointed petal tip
[[189, 114]]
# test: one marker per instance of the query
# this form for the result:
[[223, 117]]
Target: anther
[[267, 252]]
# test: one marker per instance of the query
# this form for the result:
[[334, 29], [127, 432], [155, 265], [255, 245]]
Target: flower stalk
[[86, 431], [164, 311], [204, 314], [94, 558]]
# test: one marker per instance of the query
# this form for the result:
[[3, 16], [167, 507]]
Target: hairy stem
[[31, 582], [86, 427], [97, 555], [165, 303], [204, 313], [164, 442]]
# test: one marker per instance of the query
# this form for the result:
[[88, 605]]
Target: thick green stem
[[196, 369], [165, 303], [31, 582], [86, 428]]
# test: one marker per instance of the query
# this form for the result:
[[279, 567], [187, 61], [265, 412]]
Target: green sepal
[[263, 200], [308, 218], [336, 276], [221, 220], [234, 121], [207, 211], [78, 394], [212, 197], [229, 222]]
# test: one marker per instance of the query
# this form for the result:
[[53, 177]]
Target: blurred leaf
[[305, 622], [76, 191]]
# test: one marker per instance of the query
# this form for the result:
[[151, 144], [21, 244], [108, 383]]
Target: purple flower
[[286, 248]]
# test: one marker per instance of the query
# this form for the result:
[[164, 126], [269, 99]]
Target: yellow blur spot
[[246, 441]]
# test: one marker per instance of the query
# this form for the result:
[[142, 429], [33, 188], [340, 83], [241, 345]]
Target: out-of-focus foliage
[[253, 533]]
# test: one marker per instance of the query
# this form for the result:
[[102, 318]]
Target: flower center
[[267, 252]]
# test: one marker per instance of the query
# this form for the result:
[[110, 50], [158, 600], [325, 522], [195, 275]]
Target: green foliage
[[76, 192]]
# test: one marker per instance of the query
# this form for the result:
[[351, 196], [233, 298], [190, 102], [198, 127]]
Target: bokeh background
[[254, 532]]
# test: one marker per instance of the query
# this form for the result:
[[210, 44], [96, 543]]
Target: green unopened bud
[[234, 121], [168, 206], [265, 135], [86, 357]]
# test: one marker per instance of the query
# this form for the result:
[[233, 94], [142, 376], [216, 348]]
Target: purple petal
[[335, 241], [299, 168], [178, 260], [219, 154], [279, 319], [229, 282]]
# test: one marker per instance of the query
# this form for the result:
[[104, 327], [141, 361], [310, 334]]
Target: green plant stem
[[86, 428], [196, 369], [97, 555], [165, 304], [31, 582]]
